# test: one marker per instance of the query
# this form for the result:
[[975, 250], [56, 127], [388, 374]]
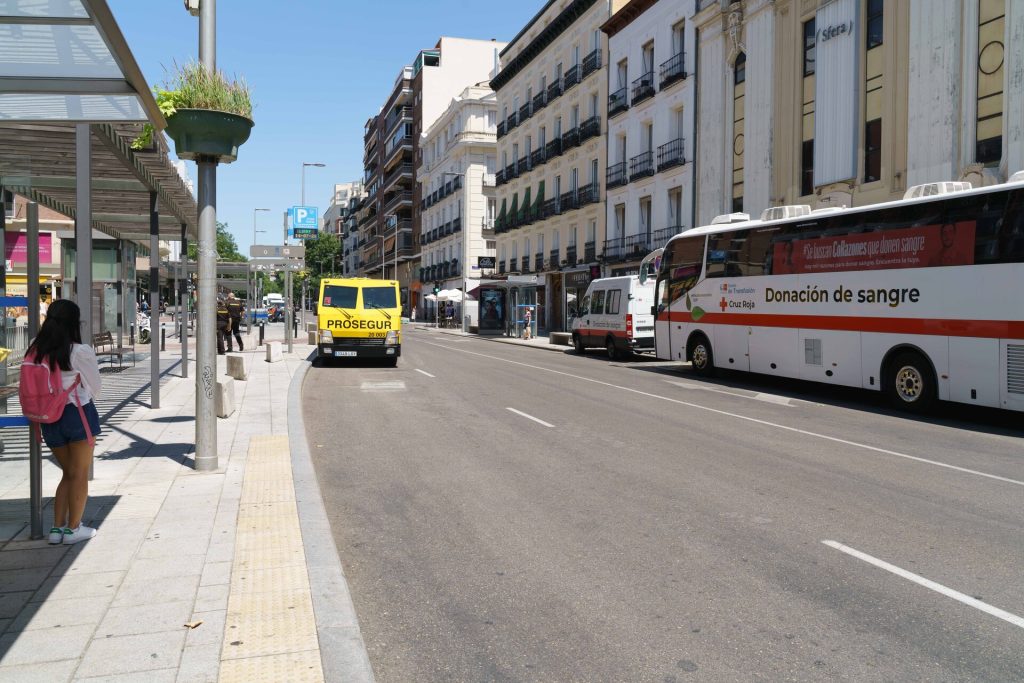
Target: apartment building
[[552, 91], [650, 176], [853, 101], [338, 209], [390, 236], [456, 177]]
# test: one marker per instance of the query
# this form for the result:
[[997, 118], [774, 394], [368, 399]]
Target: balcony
[[671, 154], [589, 252], [499, 178], [399, 199], [540, 101], [537, 157], [487, 228], [553, 149], [643, 88], [588, 194], [590, 128], [616, 175], [401, 226], [402, 143], [641, 166], [570, 139], [526, 265], [501, 267], [673, 70], [568, 201], [572, 77], [525, 111], [554, 90], [550, 208], [512, 121], [553, 259], [660, 238], [618, 102], [510, 172], [626, 248], [501, 129], [401, 171], [524, 165], [538, 262], [591, 62], [455, 267], [570, 255], [397, 116]]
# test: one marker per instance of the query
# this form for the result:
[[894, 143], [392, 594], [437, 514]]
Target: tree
[[227, 248], [323, 254]]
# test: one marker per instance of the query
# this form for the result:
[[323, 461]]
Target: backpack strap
[[81, 411]]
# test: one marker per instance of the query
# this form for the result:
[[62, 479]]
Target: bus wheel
[[613, 352], [577, 342], [910, 382], [701, 356]]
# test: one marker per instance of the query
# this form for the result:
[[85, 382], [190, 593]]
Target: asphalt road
[[663, 528]]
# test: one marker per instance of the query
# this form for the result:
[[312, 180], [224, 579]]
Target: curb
[[557, 348], [342, 651]]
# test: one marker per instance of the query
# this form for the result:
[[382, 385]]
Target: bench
[[104, 345]]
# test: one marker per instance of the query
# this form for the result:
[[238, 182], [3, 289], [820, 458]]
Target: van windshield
[[379, 297], [337, 296]]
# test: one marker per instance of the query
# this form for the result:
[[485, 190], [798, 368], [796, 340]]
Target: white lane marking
[[928, 583], [423, 372], [530, 417], [766, 423], [767, 398], [393, 385]]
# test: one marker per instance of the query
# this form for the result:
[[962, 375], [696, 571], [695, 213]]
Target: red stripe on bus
[[989, 329]]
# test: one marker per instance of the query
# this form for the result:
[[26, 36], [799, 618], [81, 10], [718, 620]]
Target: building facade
[[552, 92], [649, 177], [420, 94], [456, 177], [338, 210], [855, 100]]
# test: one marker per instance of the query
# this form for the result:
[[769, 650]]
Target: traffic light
[[437, 287]]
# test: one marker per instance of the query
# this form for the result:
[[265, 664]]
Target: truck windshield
[[379, 297], [336, 296]]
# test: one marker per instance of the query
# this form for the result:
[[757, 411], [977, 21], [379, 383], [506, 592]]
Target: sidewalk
[[541, 341], [243, 554]]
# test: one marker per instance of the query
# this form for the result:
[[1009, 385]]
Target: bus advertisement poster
[[949, 244]]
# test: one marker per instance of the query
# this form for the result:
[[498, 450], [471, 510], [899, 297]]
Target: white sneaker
[[56, 536], [82, 533]]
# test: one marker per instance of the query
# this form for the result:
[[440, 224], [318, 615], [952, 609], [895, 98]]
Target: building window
[[807, 167], [620, 220], [678, 38], [738, 114], [989, 130], [875, 22], [809, 47]]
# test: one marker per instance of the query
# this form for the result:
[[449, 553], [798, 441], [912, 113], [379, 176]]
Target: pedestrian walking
[[235, 313], [527, 321], [223, 325], [58, 354]]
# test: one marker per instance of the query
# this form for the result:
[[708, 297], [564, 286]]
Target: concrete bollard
[[312, 337], [224, 400], [237, 367], [311, 327], [274, 353]]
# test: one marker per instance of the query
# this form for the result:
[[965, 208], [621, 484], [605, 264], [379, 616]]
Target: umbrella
[[443, 295], [430, 297], [455, 295]]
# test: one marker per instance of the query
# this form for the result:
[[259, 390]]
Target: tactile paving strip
[[270, 630]]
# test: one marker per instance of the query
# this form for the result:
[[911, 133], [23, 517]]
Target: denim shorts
[[69, 427]]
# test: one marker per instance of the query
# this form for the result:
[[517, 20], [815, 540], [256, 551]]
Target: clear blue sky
[[318, 69]]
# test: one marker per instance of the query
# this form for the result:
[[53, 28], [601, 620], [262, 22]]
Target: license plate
[[346, 354]]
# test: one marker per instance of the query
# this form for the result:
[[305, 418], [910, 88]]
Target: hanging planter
[[208, 116], [204, 133]]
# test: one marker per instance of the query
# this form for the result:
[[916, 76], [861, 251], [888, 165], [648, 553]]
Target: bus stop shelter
[[72, 99]]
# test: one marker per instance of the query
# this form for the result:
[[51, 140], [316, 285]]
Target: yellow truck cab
[[359, 318]]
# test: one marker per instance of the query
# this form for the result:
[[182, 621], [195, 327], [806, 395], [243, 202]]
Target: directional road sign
[[269, 266], [276, 251]]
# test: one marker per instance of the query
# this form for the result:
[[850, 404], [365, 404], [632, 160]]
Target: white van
[[616, 314]]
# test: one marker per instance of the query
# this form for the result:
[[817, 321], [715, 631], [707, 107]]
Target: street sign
[[304, 232], [304, 218], [263, 266], [276, 251], [485, 262]]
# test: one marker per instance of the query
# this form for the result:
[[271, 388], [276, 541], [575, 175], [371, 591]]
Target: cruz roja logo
[[743, 301]]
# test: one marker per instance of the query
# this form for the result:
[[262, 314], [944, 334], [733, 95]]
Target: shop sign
[[16, 247], [578, 278], [485, 262]]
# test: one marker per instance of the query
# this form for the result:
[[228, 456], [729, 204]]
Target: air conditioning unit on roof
[[827, 209], [934, 189], [1017, 177], [727, 218], [778, 213]]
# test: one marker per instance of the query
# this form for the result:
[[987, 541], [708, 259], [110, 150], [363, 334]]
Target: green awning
[[537, 205], [526, 205], [513, 213], [501, 215]]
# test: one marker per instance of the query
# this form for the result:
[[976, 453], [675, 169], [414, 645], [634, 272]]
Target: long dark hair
[[61, 329]]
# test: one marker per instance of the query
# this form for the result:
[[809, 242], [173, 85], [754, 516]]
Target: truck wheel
[[577, 342], [701, 357], [910, 382], [391, 362], [613, 352]]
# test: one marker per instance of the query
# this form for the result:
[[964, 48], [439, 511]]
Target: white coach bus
[[922, 298]]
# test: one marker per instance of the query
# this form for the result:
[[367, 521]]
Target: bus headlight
[[326, 337], [391, 339]]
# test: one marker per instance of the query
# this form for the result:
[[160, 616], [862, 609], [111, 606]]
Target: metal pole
[[289, 314], [303, 184], [206, 354], [154, 300], [35, 451], [183, 301], [83, 227]]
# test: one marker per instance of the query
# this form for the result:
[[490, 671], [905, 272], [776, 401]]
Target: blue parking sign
[[304, 217]]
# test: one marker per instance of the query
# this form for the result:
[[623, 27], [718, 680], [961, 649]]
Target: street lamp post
[[288, 274]]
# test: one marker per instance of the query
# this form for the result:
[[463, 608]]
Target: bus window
[[685, 261], [723, 259], [756, 258], [597, 302], [662, 295]]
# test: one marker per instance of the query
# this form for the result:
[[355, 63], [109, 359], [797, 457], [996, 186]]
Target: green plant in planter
[[192, 100]]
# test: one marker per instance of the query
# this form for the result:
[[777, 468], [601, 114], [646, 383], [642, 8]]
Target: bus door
[[662, 338]]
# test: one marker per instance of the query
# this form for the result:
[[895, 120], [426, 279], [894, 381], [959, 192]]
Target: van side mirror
[[654, 310]]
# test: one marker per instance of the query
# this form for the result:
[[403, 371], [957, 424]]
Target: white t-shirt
[[83, 362]]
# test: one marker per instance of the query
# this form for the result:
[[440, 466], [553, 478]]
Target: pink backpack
[[43, 396]]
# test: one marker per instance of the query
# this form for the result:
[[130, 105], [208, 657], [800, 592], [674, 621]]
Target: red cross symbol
[[723, 303]]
